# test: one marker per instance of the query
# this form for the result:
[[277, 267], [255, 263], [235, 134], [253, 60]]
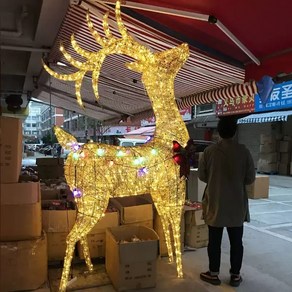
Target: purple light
[[142, 171], [75, 146], [77, 193], [149, 138]]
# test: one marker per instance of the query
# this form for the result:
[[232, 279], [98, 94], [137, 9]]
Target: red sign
[[237, 105]]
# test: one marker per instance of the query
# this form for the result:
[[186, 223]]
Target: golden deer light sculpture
[[96, 172]]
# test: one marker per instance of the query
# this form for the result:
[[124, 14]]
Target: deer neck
[[169, 123]]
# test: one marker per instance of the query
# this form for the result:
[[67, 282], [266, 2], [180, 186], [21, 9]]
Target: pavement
[[267, 251]]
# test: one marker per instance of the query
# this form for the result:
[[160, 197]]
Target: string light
[[98, 171]]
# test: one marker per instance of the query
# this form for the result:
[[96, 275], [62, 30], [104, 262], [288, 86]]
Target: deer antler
[[110, 45]]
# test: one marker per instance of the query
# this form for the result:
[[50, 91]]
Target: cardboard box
[[133, 209], [264, 166], [284, 168], [20, 216], [162, 242], [131, 265], [285, 146], [193, 216], [269, 157], [50, 168], [266, 139], [285, 157], [23, 264], [49, 161], [96, 237], [268, 148], [57, 224], [50, 194], [260, 187], [10, 149], [50, 171], [196, 235], [146, 223], [287, 138], [195, 187]]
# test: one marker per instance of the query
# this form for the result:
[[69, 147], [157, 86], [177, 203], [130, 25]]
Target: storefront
[[250, 128]]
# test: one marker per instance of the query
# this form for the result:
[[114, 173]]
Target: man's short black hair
[[227, 127]]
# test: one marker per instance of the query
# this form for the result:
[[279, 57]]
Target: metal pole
[[51, 124]]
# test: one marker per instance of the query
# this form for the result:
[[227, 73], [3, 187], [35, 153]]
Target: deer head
[[154, 67]]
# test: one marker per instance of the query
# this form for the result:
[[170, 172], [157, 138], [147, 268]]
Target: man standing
[[226, 167]]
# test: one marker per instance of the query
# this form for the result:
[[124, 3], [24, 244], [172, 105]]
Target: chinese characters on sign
[[280, 98], [238, 105]]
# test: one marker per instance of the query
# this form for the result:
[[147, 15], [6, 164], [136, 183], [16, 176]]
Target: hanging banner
[[280, 98], [237, 105]]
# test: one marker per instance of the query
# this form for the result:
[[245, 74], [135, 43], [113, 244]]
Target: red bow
[[184, 156]]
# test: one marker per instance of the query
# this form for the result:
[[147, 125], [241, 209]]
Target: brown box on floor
[[96, 237], [196, 235], [193, 216], [135, 210], [57, 224], [23, 264], [131, 265], [260, 188], [10, 149], [20, 216]]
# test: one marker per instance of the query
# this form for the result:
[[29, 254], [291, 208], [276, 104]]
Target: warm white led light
[[97, 172]]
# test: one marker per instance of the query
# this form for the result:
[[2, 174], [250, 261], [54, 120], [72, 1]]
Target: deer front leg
[[175, 219], [85, 249], [71, 241], [166, 230]]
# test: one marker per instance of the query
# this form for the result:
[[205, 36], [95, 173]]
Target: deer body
[[100, 171]]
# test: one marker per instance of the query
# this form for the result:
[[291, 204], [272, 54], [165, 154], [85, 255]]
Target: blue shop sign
[[280, 98]]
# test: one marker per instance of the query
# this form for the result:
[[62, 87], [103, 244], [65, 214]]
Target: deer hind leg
[[165, 222], [86, 254], [79, 231]]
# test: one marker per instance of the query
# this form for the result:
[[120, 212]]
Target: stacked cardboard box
[[23, 264], [134, 210], [57, 221], [285, 146], [23, 247], [268, 156], [196, 231], [55, 189], [275, 154], [10, 149], [131, 257], [20, 211], [49, 168]]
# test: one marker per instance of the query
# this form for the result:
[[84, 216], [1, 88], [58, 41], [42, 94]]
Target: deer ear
[[64, 138]]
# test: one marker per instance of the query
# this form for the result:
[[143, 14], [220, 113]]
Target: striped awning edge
[[278, 116]]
